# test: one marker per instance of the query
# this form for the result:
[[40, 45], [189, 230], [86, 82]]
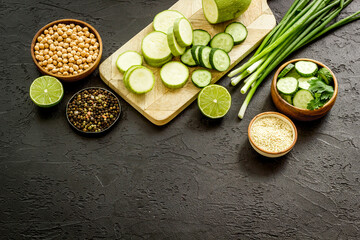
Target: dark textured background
[[191, 179]]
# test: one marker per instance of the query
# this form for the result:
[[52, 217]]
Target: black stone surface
[[191, 179]]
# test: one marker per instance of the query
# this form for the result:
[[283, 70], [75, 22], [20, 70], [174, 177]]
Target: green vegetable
[[326, 76], [305, 22], [322, 93]]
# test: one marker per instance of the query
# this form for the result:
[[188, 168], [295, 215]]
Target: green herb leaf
[[321, 92]]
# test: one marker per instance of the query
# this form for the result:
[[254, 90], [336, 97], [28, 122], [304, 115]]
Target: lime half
[[214, 101], [46, 91]]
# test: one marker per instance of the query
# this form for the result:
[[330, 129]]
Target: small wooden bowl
[[267, 153], [69, 78], [298, 113]]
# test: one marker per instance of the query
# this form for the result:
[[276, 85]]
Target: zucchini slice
[[166, 19], [183, 32], [141, 80], [174, 74], [155, 48]]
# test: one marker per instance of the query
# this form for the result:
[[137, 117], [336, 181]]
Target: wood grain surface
[[162, 104]]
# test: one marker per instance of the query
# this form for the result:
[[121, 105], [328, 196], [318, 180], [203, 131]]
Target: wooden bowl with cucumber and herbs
[[304, 89]]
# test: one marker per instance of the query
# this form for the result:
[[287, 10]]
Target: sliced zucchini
[[128, 59], [219, 59], [183, 32], [286, 70], [287, 85], [155, 48], [238, 31], [326, 76], [287, 98], [174, 46], [187, 59], [155, 63], [223, 41], [302, 98], [304, 82], [204, 56], [195, 54], [306, 68], [201, 37], [127, 73], [141, 80], [201, 78], [166, 19], [174, 74]]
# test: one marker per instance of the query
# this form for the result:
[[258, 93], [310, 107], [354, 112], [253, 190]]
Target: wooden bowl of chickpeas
[[67, 49]]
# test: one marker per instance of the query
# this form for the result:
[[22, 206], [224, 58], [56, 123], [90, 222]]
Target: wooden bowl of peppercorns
[[93, 110], [67, 49]]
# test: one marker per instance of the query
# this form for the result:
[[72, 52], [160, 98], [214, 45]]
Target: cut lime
[[46, 91], [214, 101]]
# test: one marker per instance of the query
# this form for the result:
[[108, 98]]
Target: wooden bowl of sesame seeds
[[272, 134], [68, 49]]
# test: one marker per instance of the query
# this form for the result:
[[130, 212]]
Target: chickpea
[[47, 57], [80, 70], [40, 39], [60, 38], [76, 67], [76, 57], [55, 57], [79, 61], [86, 49], [60, 64], [45, 62], [68, 40], [41, 46], [93, 41], [81, 66], [46, 31], [46, 51], [65, 60], [86, 66], [61, 44], [50, 60], [91, 52], [41, 58], [72, 25], [73, 52], [71, 70], [61, 69], [78, 53], [72, 44], [73, 36], [69, 49], [78, 28], [60, 32], [75, 72], [71, 60], [69, 55], [50, 66], [65, 73], [87, 40], [89, 60], [64, 36], [64, 28], [55, 27], [92, 35], [59, 53], [54, 70], [83, 53], [51, 53], [56, 35], [37, 57], [37, 47], [81, 45], [87, 45], [63, 51], [55, 63], [80, 39], [59, 59], [87, 55], [40, 63], [81, 34], [41, 53], [51, 31], [66, 68]]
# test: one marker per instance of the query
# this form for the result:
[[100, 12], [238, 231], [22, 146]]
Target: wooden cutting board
[[161, 104]]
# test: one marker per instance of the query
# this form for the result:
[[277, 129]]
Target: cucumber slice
[[223, 41], [306, 68], [286, 70], [166, 19], [201, 37], [127, 73], [287, 98], [204, 56], [302, 98], [304, 82], [174, 46], [238, 31], [174, 74], [141, 80], [326, 76], [155, 48], [201, 78], [217, 11], [128, 59], [183, 32], [195, 54], [187, 58], [287, 85], [219, 59]]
